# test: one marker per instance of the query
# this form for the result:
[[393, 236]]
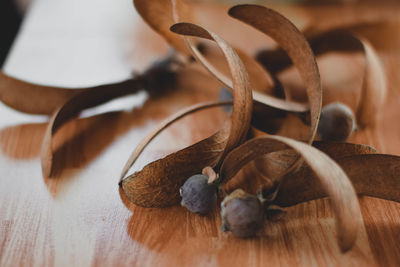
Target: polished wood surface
[[80, 218]]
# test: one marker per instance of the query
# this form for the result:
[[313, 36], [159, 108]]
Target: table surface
[[79, 218]]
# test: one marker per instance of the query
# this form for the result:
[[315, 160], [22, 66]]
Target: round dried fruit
[[337, 122], [242, 214], [198, 195]]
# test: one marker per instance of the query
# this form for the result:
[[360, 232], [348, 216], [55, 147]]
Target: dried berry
[[198, 195], [337, 122], [242, 214]]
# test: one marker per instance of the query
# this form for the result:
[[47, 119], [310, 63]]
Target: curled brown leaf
[[240, 120], [88, 98], [45, 100], [157, 184], [337, 150], [153, 12], [33, 98], [296, 46], [274, 165], [260, 85], [331, 177], [159, 15], [375, 175], [374, 86], [163, 125]]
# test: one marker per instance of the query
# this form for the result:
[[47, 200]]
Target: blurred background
[[11, 14], [13, 11]]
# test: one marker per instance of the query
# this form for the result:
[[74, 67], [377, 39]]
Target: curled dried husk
[[159, 15], [33, 98], [273, 165], [157, 184], [153, 12], [164, 125], [293, 42], [45, 100], [332, 178], [242, 98], [86, 99], [375, 175], [374, 86], [259, 85]]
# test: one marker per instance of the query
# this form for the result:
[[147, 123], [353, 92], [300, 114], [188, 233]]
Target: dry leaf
[[337, 150], [38, 99], [157, 185], [88, 98], [32, 98], [374, 87], [159, 15], [260, 79], [332, 178], [294, 43], [274, 165], [153, 12], [240, 121], [165, 124], [374, 175], [257, 96]]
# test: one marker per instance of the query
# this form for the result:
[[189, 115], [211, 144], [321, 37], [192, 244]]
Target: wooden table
[[80, 218]]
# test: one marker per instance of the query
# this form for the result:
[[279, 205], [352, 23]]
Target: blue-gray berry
[[242, 214], [198, 195], [337, 122]]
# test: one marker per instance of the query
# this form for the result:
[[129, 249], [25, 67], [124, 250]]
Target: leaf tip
[[176, 27], [232, 11]]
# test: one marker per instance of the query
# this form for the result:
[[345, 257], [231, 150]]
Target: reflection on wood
[[81, 219]]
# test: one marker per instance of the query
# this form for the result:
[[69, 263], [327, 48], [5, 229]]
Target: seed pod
[[242, 214], [337, 122], [198, 195]]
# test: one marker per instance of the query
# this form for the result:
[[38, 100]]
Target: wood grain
[[81, 219]]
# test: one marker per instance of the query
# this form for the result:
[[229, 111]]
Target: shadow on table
[[80, 141], [306, 235]]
